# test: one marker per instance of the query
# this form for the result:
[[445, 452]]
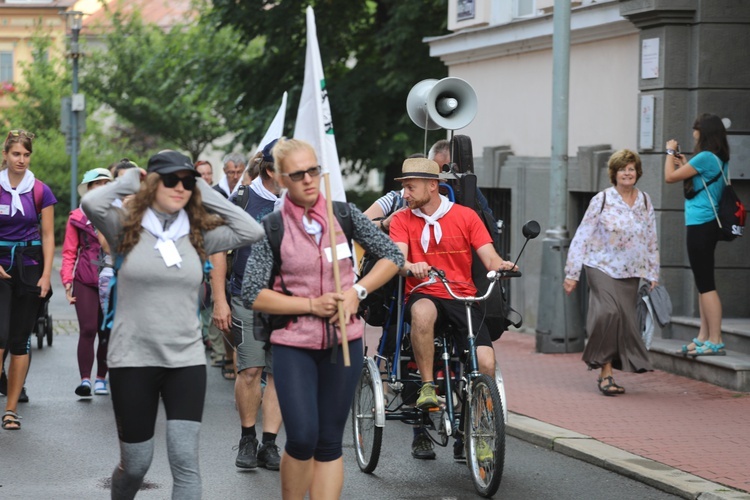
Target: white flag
[[314, 123], [276, 129]]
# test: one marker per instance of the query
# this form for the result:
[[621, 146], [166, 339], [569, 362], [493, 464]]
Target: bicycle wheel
[[484, 435], [368, 435], [48, 329], [39, 331]]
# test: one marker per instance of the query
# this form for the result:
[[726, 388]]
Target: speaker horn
[[450, 103]]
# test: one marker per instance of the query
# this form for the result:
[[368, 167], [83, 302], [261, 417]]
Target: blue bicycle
[[472, 405]]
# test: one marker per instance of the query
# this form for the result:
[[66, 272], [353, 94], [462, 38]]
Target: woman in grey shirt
[[174, 221]]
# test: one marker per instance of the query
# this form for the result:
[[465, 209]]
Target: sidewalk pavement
[[685, 437]]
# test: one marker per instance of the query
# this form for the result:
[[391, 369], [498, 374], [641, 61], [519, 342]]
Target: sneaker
[[422, 448], [459, 451], [484, 452], [100, 388], [427, 398], [24, 397], [268, 456], [84, 390], [247, 457]]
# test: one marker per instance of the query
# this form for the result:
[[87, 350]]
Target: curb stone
[[647, 471]]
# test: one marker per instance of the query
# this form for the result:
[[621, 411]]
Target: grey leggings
[[135, 397]]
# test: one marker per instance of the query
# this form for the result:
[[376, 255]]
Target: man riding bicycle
[[436, 232]]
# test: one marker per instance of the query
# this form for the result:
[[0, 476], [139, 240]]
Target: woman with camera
[[703, 185]]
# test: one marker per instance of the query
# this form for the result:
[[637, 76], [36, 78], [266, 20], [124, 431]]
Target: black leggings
[[135, 397], [701, 244], [315, 396]]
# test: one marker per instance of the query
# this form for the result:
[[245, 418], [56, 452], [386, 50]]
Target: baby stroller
[[43, 326]]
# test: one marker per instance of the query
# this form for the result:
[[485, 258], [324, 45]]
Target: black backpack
[[375, 309], [273, 225]]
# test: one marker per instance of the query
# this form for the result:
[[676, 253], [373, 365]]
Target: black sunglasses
[[300, 174], [171, 180]]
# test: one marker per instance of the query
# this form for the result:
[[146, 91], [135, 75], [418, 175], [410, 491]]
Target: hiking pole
[[335, 262]]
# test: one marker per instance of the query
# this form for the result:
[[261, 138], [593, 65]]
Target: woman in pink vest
[[80, 276], [315, 389]]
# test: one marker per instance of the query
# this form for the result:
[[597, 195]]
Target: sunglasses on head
[[171, 180], [19, 132], [300, 174]]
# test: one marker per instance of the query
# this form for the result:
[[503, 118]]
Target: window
[[524, 8], [6, 66]]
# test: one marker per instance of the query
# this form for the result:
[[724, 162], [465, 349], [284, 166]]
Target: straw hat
[[419, 168]]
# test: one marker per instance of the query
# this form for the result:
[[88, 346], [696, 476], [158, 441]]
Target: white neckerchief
[[313, 228], [224, 184], [259, 189], [166, 239], [26, 185], [432, 220]]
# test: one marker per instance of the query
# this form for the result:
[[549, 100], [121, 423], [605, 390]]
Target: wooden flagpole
[[336, 273]]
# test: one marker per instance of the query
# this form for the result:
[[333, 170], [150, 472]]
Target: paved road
[[68, 448]]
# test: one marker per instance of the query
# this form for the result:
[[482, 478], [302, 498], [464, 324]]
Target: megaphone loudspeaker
[[450, 103]]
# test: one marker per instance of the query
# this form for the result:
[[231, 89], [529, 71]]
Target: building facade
[[640, 72]]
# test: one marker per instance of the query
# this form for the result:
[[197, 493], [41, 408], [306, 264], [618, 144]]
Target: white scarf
[[259, 189], [26, 185], [432, 220], [166, 239], [224, 184]]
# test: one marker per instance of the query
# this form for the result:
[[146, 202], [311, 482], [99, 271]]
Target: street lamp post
[[77, 102]]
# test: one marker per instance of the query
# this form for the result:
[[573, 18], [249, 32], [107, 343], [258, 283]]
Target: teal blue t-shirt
[[698, 210]]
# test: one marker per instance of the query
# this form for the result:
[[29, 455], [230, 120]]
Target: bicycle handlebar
[[435, 274]]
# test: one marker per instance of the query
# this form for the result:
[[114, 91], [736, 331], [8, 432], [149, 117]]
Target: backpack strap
[[343, 213], [109, 319], [242, 198], [38, 192], [604, 201]]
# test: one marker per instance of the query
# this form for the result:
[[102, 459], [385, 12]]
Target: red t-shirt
[[462, 230]]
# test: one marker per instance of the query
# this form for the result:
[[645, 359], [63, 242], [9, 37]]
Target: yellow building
[[19, 20]]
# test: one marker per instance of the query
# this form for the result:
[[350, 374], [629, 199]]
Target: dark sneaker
[[427, 398], [422, 448], [459, 452], [23, 398], [268, 456], [84, 390], [247, 457]]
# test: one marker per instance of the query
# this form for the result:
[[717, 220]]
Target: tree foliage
[[172, 85], [36, 108], [372, 53]]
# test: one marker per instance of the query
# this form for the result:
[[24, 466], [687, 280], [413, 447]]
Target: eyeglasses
[[19, 132], [171, 180], [300, 174]]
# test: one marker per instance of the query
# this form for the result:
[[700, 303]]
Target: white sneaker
[[100, 388]]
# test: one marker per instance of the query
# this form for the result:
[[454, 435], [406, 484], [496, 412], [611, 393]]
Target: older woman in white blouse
[[617, 245]]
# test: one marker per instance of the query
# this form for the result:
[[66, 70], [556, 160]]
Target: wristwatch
[[361, 291]]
